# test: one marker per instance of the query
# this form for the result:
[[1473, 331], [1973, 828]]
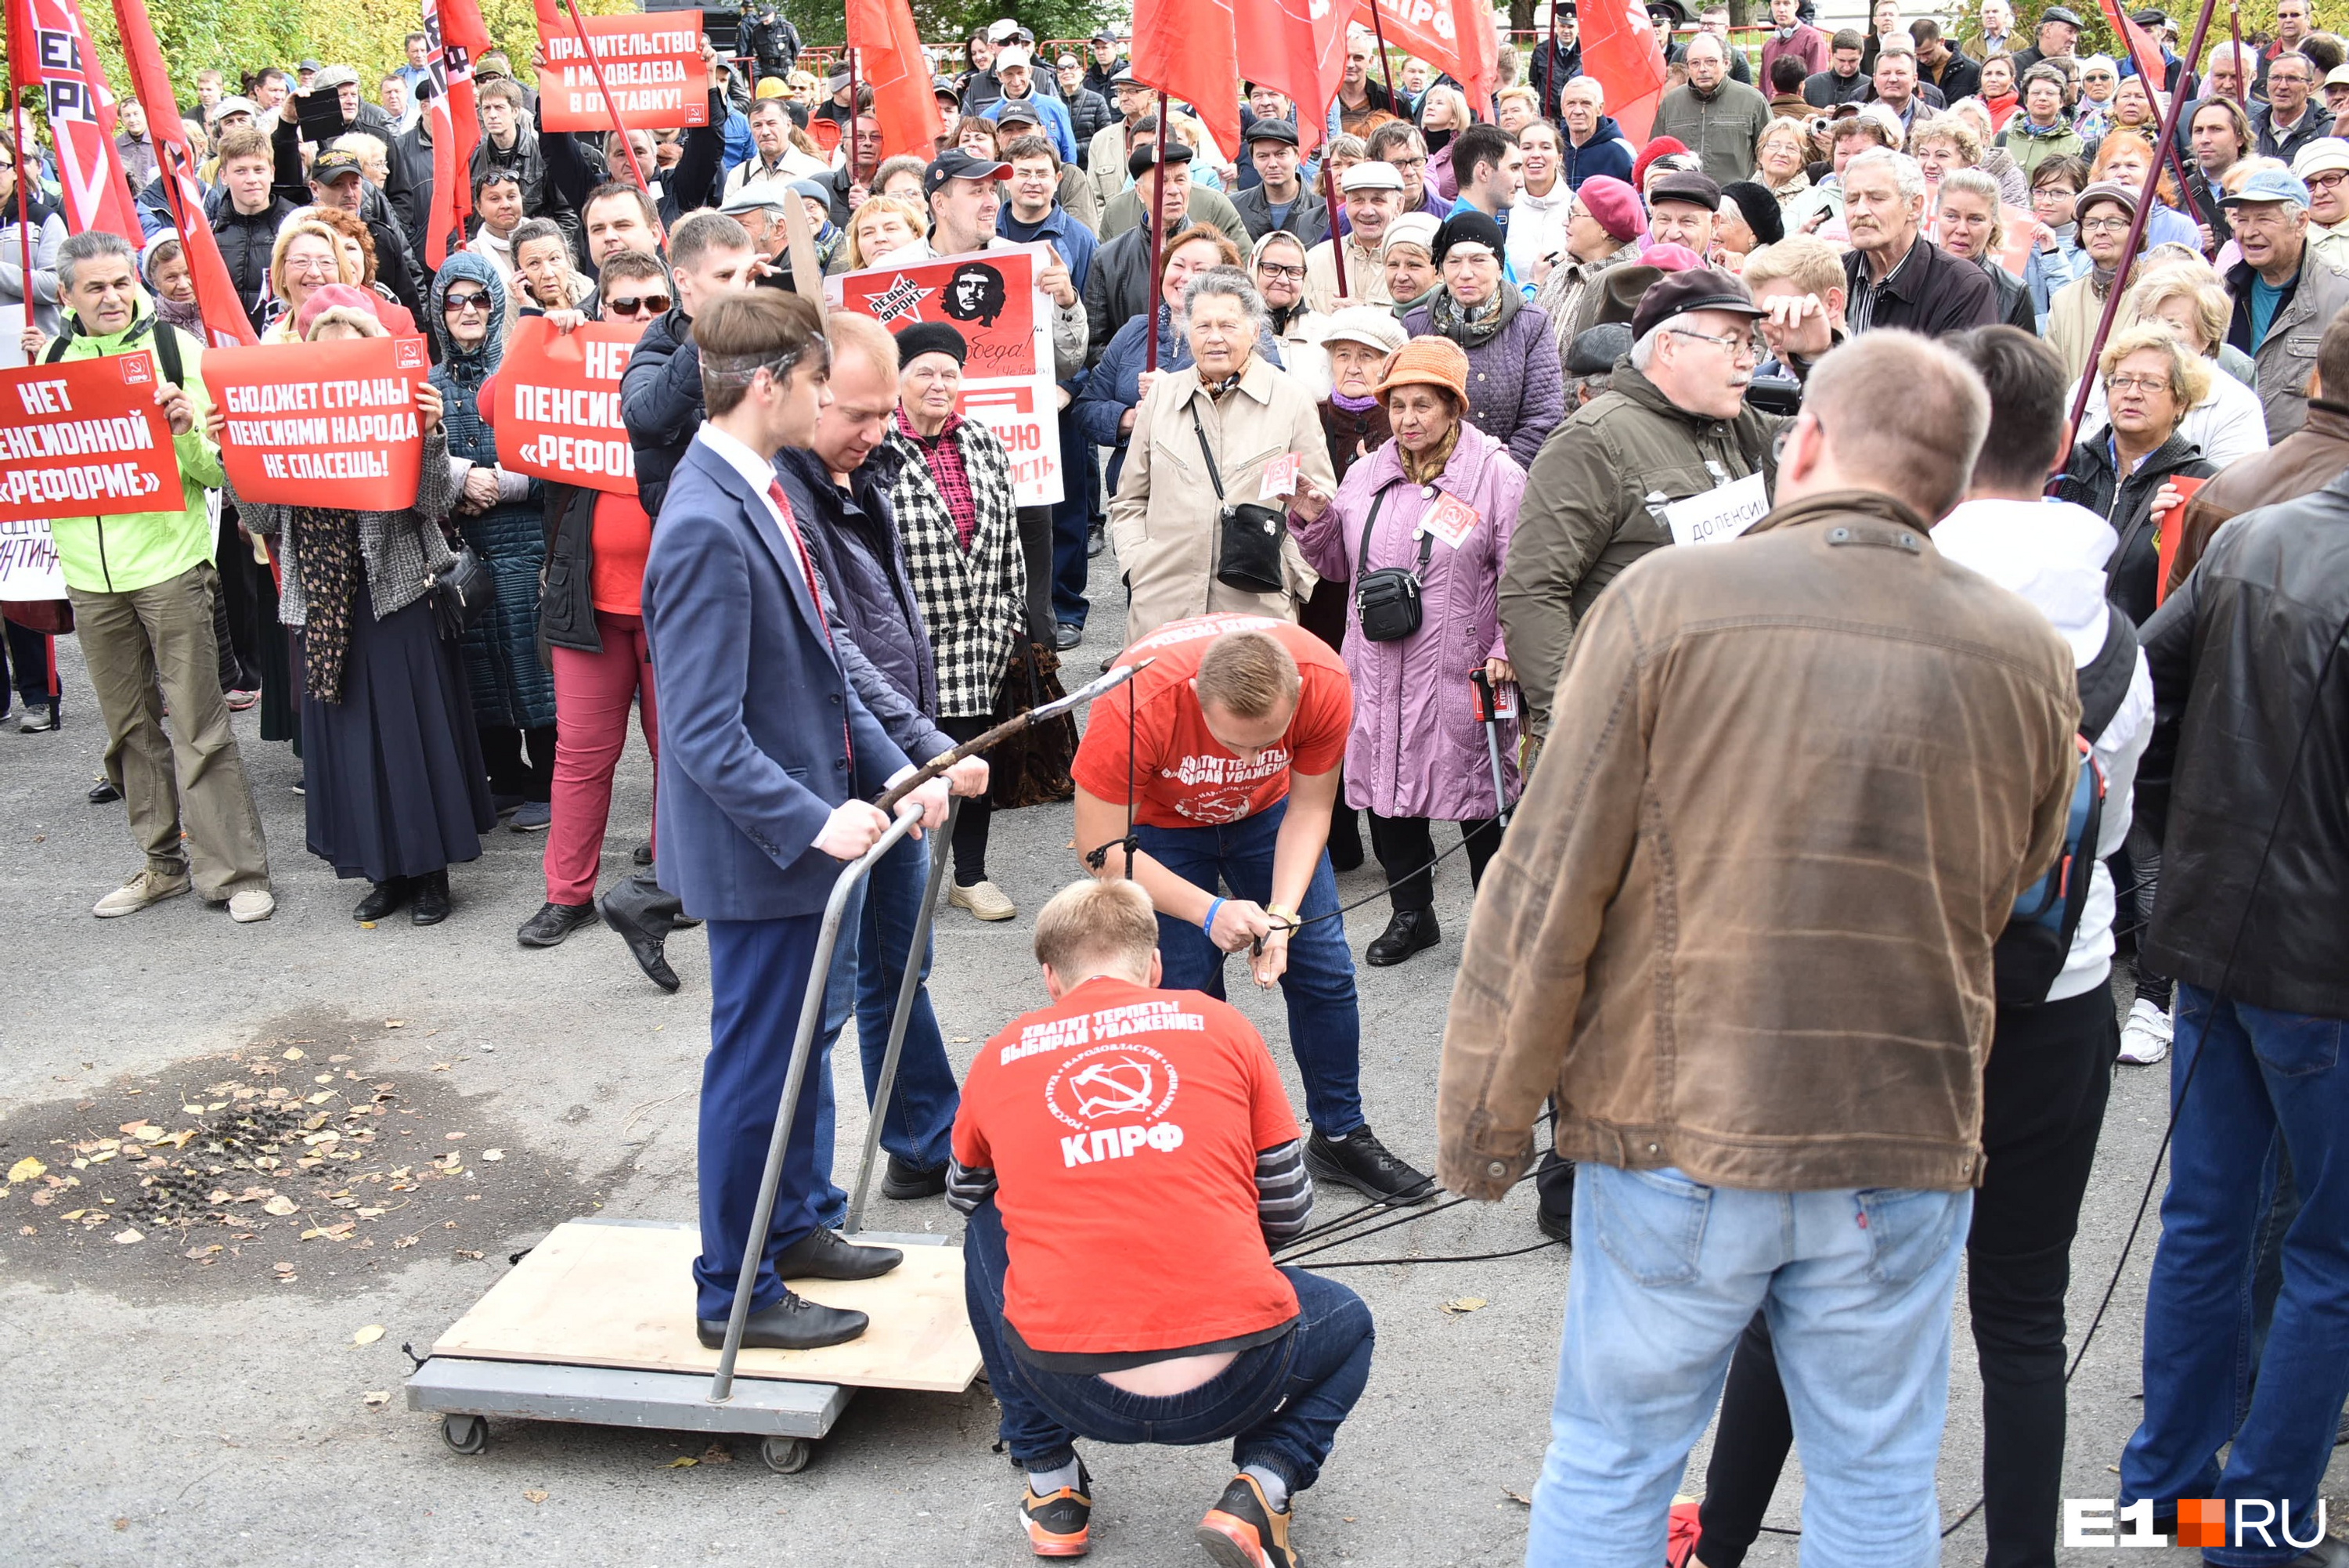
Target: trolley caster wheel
[[466, 1435], [786, 1456]]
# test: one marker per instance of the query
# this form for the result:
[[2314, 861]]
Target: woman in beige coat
[[1164, 521]]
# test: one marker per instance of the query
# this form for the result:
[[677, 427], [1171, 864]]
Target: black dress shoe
[[386, 898], [432, 902], [629, 909], [553, 922], [792, 1323], [643, 856], [1096, 540], [1066, 635], [104, 793], [824, 1254], [1360, 1161], [1410, 931], [906, 1181]]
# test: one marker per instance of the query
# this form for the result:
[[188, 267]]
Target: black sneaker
[[1243, 1531], [905, 1181], [1058, 1525], [553, 922], [1360, 1161], [1554, 1192]]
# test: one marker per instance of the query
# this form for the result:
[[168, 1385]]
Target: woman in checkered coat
[[958, 517]]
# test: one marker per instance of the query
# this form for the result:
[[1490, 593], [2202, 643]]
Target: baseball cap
[[2337, 77], [953, 163], [1001, 29], [1279, 130], [329, 167], [307, 65], [1014, 56], [2326, 152], [1103, 38], [1021, 111], [1677, 295], [1694, 189], [1370, 174], [1147, 155], [2267, 185], [941, 87]]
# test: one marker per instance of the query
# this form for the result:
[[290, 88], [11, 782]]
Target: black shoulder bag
[[1387, 600], [1249, 537]]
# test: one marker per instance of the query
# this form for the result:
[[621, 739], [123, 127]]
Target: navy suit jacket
[[757, 721]]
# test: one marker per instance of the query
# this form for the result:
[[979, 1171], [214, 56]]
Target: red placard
[[330, 424], [652, 63], [558, 405], [84, 439], [2168, 529]]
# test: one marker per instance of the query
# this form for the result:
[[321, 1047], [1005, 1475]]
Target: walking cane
[[1487, 714]]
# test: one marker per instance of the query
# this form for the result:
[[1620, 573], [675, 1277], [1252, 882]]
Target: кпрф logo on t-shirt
[[1132, 1084]]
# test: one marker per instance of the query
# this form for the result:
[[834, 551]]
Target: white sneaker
[[252, 903], [984, 900], [140, 890], [2145, 1037]]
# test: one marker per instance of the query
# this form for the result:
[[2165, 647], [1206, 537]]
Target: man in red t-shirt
[[1128, 1162], [1237, 730]]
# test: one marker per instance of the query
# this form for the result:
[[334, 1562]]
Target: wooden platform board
[[622, 1295]]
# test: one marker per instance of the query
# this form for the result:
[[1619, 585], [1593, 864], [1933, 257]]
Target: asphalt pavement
[[202, 1394]]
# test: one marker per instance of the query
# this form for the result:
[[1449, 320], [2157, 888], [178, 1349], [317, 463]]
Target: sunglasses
[[630, 305], [458, 304]]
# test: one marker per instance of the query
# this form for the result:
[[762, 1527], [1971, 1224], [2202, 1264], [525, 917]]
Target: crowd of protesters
[[1896, 510]]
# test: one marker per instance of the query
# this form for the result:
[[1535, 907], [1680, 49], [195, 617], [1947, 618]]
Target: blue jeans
[[868, 964], [2261, 1075], [1325, 1026], [1280, 1403], [1856, 1286]]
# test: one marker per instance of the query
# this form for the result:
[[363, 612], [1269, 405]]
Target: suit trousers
[[757, 977]]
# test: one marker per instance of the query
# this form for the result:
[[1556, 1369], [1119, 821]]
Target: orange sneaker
[[1243, 1531], [1058, 1525]]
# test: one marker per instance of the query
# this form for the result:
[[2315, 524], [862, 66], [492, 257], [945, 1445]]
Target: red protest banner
[[652, 63], [84, 439], [558, 405], [322, 424]]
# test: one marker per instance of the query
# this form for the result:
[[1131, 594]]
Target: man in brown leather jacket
[[1741, 931]]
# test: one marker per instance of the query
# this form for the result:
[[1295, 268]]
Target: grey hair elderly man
[[1672, 426], [1805, 772], [2285, 292], [1895, 275]]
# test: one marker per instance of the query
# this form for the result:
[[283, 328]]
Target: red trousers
[[591, 702]]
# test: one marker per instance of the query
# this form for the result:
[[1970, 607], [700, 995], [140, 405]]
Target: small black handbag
[[1386, 601], [1247, 549], [461, 593]]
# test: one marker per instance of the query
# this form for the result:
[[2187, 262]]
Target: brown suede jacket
[[1742, 922], [2306, 460]]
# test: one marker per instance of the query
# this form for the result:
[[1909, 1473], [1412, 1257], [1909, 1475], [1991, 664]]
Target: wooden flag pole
[[596, 67], [1157, 218], [1336, 239], [1386, 71]]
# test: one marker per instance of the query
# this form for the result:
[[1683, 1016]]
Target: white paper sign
[[1720, 513], [28, 562], [11, 337]]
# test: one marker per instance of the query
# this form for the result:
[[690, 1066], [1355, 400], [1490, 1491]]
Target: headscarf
[[187, 317]]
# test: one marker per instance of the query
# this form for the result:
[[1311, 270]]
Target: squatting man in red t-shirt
[[1128, 1160], [1238, 726]]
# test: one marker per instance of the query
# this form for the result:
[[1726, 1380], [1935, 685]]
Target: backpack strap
[[164, 337], [2104, 679]]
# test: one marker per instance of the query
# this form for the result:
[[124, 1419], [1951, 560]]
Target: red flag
[[1619, 49], [453, 36], [1187, 48], [50, 49], [1455, 36], [899, 74], [1300, 48], [225, 323], [2141, 48]]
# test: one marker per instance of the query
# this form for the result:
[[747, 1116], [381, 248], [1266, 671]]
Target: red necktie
[[815, 595]]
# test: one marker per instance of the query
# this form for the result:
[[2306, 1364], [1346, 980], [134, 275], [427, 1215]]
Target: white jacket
[[2053, 554], [1536, 229]]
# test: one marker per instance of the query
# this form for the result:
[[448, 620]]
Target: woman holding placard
[[1422, 526], [500, 514], [306, 257], [394, 790]]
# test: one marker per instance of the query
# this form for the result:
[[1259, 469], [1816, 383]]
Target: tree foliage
[[821, 22]]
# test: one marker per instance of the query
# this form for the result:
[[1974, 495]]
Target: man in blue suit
[[763, 791]]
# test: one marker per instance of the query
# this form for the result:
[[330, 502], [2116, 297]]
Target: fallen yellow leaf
[[280, 1205], [493, 1154], [375, 1398], [534, 1496], [369, 1336], [1460, 1304], [293, 1053], [127, 1238], [24, 1170], [682, 1461]]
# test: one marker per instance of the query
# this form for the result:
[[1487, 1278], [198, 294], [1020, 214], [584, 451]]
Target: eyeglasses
[[630, 305], [309, 267], [1406, 165], [2103, 225], [1738, 344], [2328, 179], [2146, 384], [1275, 270], [459, 304]]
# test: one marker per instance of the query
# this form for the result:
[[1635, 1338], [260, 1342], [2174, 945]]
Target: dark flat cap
[[1679, 294], [2062, 14], [1146, 155], [1268, 130], [930, 337], [1596, 349], [1696, 190]]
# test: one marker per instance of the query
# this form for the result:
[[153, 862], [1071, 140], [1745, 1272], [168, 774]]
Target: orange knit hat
[[1428, 362]]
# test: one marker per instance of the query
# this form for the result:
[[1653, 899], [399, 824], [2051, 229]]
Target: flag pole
[[1386, 70], [1556, 68], [2235, 33], [848, 48], [596, 67], [1336, 239], [1156, 218], [2145, 198]]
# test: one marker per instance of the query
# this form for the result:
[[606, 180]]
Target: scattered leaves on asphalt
[[25, 1170], [718, 1454], [1521, 1499], [369, 1336], [375, 1398], [534, 1497], [1460, 1306], [682, 1461]]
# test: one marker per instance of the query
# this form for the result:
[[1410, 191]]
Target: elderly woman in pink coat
[[1438, 502]]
